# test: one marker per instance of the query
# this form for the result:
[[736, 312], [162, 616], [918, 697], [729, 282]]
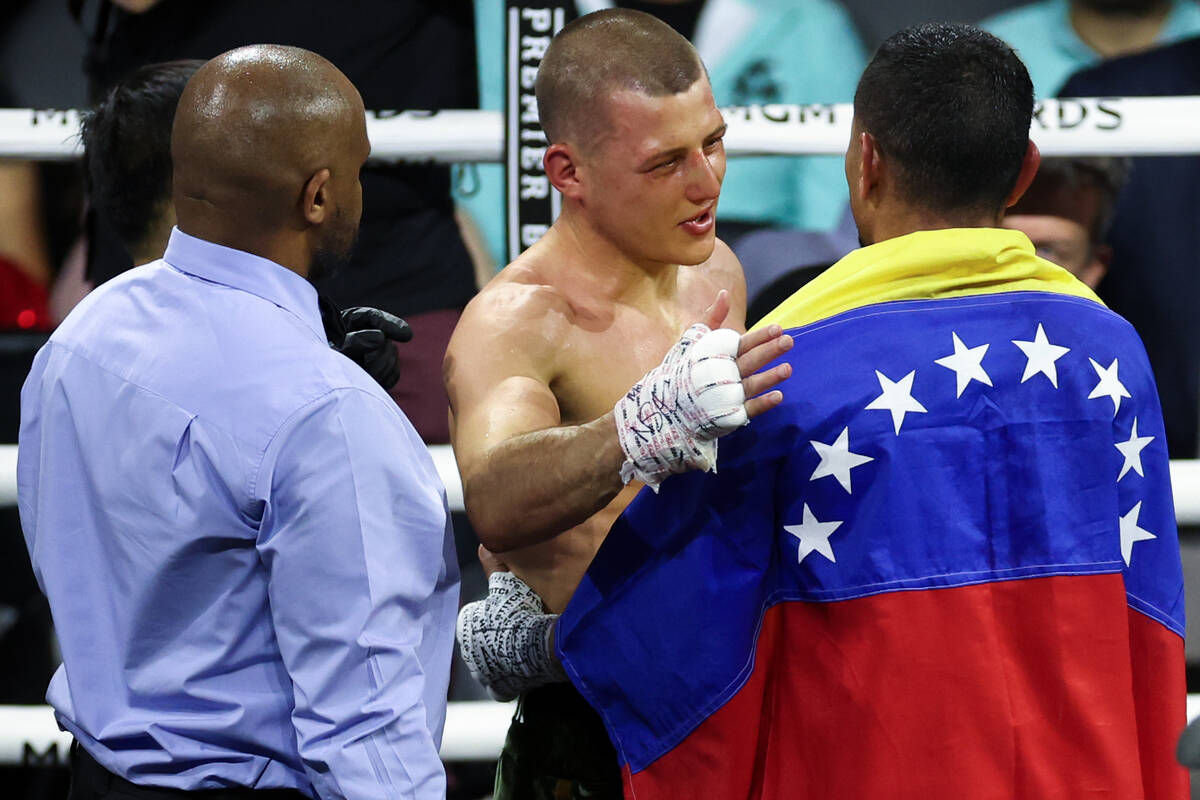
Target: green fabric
[[557, 749]]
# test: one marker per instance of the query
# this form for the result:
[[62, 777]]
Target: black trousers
[[557, 748], [90, 781]]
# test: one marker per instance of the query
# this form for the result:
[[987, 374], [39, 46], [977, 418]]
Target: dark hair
[[127, 148], [604, 52], [950, 106], [1079, 188]]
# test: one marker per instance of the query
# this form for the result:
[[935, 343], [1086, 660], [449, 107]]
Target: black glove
[[365, 336]]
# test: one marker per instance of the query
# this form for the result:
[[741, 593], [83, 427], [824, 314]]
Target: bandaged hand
[[669, 421], [506, 639]]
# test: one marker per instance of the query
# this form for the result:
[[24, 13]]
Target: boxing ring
[[475, 730]]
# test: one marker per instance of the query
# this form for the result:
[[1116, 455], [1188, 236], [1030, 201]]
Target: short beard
[[329, 261]]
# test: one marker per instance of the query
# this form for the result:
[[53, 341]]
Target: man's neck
[[902, 221], [1114, 34], [286, 251], [587, 259]]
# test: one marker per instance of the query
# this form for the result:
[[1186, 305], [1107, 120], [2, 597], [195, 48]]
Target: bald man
[[245, 545]]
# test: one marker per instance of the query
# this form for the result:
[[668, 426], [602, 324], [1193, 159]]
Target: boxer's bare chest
[[605, 351], [602, 356]]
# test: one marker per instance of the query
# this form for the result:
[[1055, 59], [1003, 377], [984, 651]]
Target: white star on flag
[[967, 364], [1130, 532], [837, 460], [1041, 355], [1132, 450], [1109, 385], [813, 535], [896, 398]]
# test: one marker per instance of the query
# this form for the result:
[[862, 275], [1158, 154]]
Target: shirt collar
[[245, 272]]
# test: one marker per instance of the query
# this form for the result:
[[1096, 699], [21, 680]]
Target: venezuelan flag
[[946, 567]]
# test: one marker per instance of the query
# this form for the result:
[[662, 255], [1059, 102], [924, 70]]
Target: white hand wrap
[[670, 420], [505, 639]]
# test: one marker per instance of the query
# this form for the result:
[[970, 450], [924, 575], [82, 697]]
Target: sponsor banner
[[532, 204]]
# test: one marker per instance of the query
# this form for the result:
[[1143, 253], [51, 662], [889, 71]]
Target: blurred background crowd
[[432, 234]]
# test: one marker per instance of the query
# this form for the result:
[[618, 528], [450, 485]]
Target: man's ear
[[561, 163], [871, 167], [1029, 168], [315, 198]]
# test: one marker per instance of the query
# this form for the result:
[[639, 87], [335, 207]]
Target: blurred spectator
[[1066, 211], [24, 258], [768, 51], [780, 289], [401, 54], [1154, 278], [24, 263], [775, 259], [1056, 38], [127, 157]]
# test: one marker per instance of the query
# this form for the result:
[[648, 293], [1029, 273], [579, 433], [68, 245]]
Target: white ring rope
[[1185, 481], [1084, 126], [474, 732]]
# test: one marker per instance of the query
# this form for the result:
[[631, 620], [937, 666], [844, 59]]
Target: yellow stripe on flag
[[927, 265]]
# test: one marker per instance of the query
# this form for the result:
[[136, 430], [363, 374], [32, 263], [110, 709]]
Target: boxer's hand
[[369, 333], [670, 420], [756, 349], [506, 639], [491, 562]]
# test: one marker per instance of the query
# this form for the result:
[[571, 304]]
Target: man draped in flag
[[947, 566]]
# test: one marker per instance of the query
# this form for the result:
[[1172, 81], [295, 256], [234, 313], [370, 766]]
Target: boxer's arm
[[527, 478]]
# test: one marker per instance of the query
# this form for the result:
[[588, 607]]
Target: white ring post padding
[[447, 467], [8, 475], [1185, 481], [474, 732], [1185, 486], [1084, 126]]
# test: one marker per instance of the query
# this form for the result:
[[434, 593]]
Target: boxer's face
[[654, 176]]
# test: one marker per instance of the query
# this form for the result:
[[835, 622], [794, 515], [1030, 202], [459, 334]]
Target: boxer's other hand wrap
[[505, 639], [670, 420]]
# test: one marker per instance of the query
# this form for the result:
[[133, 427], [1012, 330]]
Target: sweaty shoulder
[[724, 265], [519, 305]]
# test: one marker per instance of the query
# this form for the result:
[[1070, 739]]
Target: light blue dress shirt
[[1044, 38], [245, 545]]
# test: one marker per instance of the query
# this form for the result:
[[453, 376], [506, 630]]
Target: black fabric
[[90, 781], [557, 748], [401, 54], [1154, 279]]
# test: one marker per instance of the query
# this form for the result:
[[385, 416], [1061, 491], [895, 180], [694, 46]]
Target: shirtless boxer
[[546, 429]]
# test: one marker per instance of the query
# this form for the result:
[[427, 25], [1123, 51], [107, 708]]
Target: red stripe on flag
[[1040, 688]]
